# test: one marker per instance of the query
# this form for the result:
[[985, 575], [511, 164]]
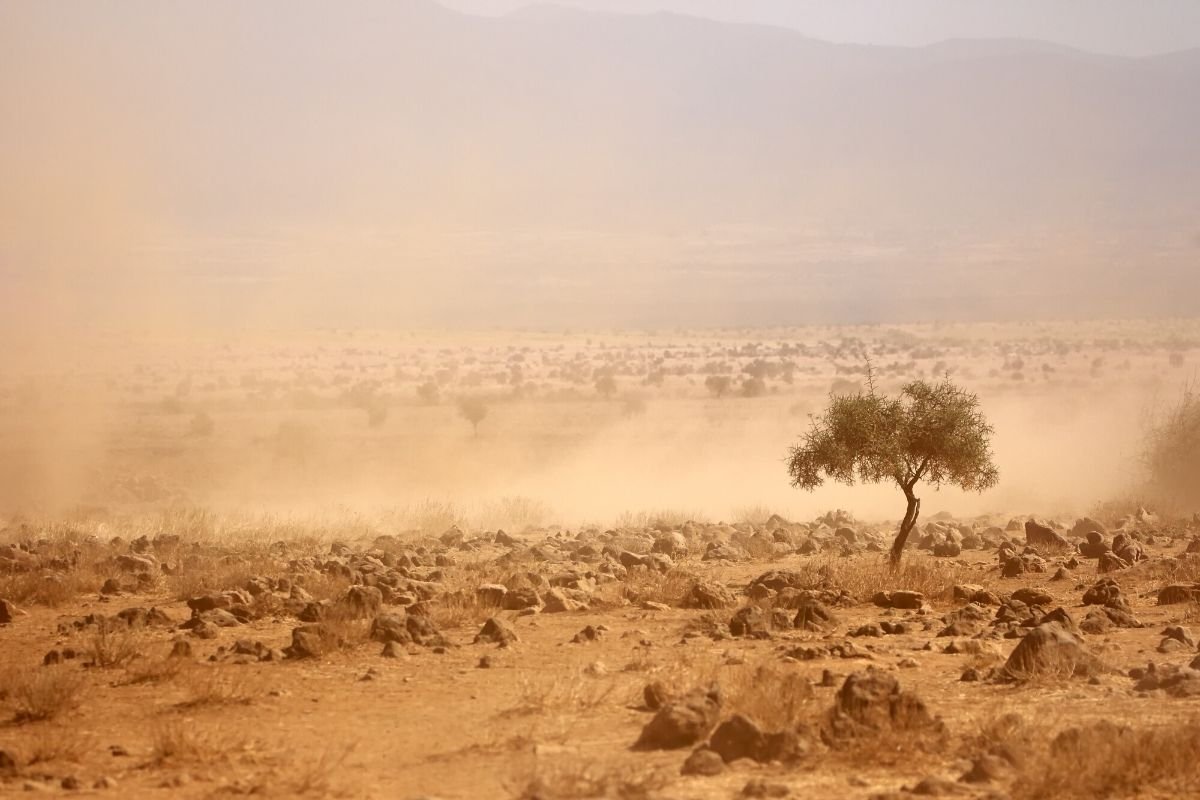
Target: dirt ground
[[543, 716]]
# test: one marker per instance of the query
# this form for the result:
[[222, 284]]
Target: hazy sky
[[1126, 27]]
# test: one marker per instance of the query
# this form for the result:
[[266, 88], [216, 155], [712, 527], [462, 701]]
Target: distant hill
[[559, 165]]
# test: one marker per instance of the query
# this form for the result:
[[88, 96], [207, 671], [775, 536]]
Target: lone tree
[[931, 432], [473, 410]]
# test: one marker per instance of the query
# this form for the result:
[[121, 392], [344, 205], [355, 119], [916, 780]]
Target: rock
[[8, 763], [1032, 597], [1014, 565], [900, 598], [738, 737], [741, 737], [682, 722], [1048, 649], [591, 633], [947, 549], [1178, 593], [1105, 592], [750, 621], [655, 694], [1111, 562], [363, 601], [1037, 535], [871, 702], [708, 594], [307, 642], [497, 631], [521, 598], [556, 601], [934, 786], [8, 610], [986, 769], [392, 650], [813, 615], [757, 787], [1180, 633], [703, 762], [491, 594]]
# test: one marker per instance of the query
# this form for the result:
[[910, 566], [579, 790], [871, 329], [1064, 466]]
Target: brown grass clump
[[177, 741], [113, 644], [773, 695], [865, 577], [1108, 760], [42, 693], [670, 587], [50, 745], [206, 685], [202, 574], [574, 690], [568, 780]]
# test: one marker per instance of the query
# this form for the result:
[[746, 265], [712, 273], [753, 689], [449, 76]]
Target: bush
[[1172, 453]]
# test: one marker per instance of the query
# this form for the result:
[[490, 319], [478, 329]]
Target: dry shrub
[[202, 574], [560, 690], [1172, 452], [642, 584], [1108, 760], [113, 644], [317, 776], [46, 589], [576, 780], [210, 685], [154, 670], [773, 695], [866, 576], [181, 741], [42, 693], [48, 745]]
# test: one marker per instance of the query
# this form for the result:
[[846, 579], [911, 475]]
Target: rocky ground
[[1005, 658]]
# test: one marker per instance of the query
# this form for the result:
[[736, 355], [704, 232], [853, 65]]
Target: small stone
[[703, 762]]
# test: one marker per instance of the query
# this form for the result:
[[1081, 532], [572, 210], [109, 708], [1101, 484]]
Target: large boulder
[[682, 721], [1040, 536], [1049, 649], [871, 703]]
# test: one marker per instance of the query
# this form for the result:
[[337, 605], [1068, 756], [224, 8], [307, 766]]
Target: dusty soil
[[543, 716]]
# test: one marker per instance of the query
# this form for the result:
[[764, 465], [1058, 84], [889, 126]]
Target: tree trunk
[[910, 521]]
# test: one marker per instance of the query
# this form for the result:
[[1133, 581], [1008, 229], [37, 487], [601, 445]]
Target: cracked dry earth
[[704, 661]]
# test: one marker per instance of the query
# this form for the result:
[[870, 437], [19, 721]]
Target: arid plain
[[567, 565]]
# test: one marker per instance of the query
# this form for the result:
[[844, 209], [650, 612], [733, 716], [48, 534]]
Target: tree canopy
[[932, 433]]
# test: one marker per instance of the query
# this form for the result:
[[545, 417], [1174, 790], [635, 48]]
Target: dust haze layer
[[398, 164]]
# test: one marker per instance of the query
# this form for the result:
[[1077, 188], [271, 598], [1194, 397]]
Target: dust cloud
[[236, 240]]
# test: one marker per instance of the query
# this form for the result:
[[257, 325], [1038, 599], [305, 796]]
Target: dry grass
[[202, 574], [179, 741], [113, 644], [53, 590], [47, 745], [540, 693], [642, 584], [1107, 760], [213, 685], [317, 776], [865, 576], [774, 695], [577, 779], [42, 693]]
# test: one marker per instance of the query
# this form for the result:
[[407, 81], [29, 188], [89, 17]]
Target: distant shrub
[[718, 385], [474, 410], [754, 387], [428, 392], [1172, 450]]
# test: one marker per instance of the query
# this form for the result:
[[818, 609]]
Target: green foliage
[[932, 432]]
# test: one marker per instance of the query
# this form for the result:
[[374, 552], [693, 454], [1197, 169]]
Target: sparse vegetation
[[932, 432]]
